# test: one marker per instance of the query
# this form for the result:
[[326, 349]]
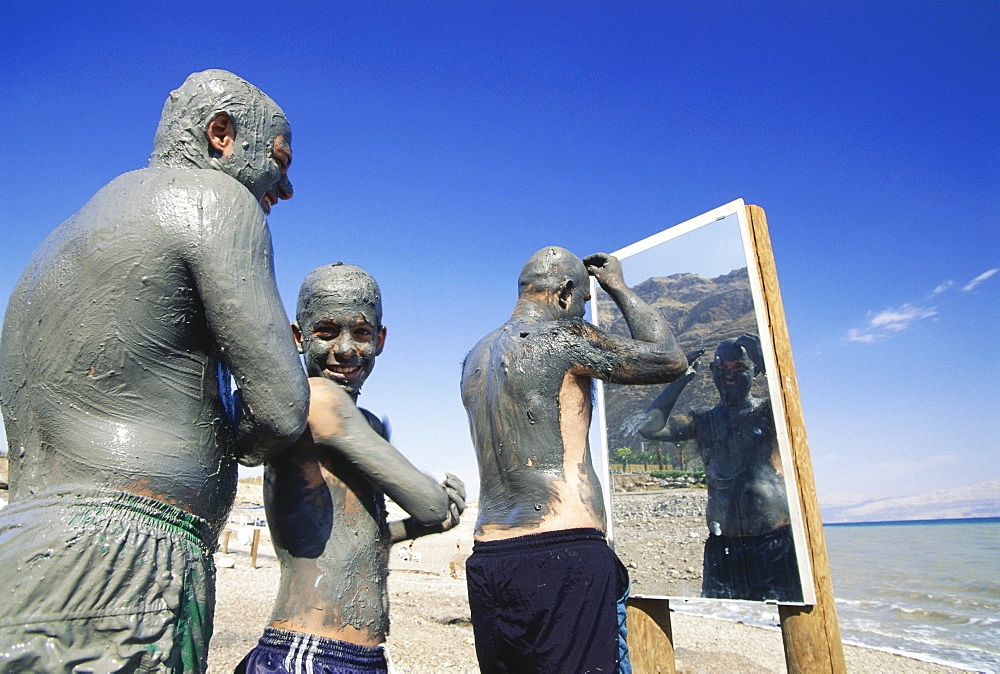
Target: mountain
[[701, 312], [978, 500]]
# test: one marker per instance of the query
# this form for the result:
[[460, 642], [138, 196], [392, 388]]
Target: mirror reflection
[[699, 469]]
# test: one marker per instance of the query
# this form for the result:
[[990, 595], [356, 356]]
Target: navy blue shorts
[[546, 602], [758, 568], [285, 652]]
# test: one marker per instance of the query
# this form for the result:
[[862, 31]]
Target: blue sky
[[439, 144]]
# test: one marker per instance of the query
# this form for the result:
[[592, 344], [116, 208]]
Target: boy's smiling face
[[342, 348], [339, 328]]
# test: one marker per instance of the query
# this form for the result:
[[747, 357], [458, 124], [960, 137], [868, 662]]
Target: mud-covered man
[[118, 346], [324, 496], [749, 553], [544, 586]]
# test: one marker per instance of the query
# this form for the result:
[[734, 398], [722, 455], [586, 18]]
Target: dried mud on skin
[[428, 608]]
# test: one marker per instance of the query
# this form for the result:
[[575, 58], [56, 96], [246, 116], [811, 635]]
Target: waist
[[202, 485], [94, 507], [777, 532], [538, 541]]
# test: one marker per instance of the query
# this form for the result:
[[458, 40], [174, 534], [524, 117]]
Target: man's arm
[[231, 263], [658, 414], [644, 322], [337, 425], [404, 530], [655, 427], [651, 356]]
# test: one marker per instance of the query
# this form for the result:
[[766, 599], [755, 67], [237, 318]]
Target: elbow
[[676, 366], [433, 511], [653, 426], [294, 424], [259, 442]]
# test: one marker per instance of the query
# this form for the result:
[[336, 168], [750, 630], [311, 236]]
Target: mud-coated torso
[[108, 363], [746, 492], [328, 526], [529, 418]]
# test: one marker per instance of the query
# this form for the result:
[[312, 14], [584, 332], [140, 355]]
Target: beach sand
[[429, 611]]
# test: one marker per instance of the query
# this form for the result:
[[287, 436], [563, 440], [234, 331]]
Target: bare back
[[113, 337], [527, 389]]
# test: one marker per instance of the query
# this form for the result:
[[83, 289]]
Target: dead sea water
[[929, 590]]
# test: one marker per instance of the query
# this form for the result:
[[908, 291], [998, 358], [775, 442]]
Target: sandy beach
[[430, 613]]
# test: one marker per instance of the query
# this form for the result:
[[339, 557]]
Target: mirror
[[700, 479]]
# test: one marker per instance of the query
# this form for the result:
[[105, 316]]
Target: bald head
[[181, 140], [744, 348], [549, 269], [555, 278], [736, 363], [730, 350]]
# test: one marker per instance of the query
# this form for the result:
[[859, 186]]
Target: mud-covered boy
[[324, 496]]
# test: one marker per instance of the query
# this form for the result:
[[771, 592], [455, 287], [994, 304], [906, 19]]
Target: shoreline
[[431, 630]]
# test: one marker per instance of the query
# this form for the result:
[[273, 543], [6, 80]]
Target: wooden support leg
[[253, 548], [811, 633], [225, 541], [650, 639]]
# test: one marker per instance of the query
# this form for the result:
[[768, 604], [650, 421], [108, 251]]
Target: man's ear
[[221, 135], [297, 336], [380, 340], [565, 293]]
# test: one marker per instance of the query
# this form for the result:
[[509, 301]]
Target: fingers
[[595, 260], [455, 490], [603, 267], [455, 483]]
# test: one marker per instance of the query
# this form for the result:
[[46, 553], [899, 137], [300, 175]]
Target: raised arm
[[650, 356], [337, 425], [644, 322], [658, 414], [231, 261]]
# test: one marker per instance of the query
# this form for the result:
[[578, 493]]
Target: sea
[[927, 589]]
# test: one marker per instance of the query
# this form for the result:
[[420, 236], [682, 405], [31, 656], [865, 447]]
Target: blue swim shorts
[[285, 652]]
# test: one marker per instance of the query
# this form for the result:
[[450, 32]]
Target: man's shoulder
[[542, 329], [209, 180], [202, 185], [703, 412]]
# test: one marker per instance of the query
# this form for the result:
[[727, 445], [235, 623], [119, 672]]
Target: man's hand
[[606, 269], [455, 490]]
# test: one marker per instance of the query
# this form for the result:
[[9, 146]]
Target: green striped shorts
[[103, 581]]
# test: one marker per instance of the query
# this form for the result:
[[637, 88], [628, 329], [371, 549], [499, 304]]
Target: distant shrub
[[698, 475]]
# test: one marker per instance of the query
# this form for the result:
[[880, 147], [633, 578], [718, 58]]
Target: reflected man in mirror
[[749, 552], [544, 587], [325, 495]]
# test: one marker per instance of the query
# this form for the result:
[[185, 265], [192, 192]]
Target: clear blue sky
[[439, 144]]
